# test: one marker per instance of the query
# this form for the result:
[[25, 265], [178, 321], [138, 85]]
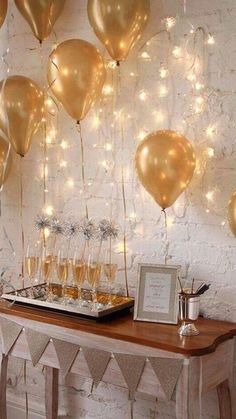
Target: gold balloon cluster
[[76, 70]]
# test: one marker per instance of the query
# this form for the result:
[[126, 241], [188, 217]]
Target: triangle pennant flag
[[97, 361], [66, 353], [167, 371], [10, 332], [37, 343], [131, 367]]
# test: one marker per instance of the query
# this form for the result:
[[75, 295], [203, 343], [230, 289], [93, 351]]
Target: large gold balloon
[[76, 74], [118, 24], [3, 11], [21, 111], [165, 163], [232, 213], [41, 15], [5, 161]]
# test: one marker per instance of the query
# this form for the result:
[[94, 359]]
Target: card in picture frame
[[157, 293]]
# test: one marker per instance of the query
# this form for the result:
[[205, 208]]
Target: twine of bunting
[[131, 368], [10, 332], [37, 343], [97, 361], [167, 371], [66, 354]]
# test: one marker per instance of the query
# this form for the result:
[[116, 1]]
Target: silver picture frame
[[157, 293]]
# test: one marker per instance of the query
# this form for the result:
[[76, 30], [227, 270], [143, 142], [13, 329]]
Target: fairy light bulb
[[159, 116], [170, 22], [70, 183], [141, 135], [108, 146], [143, 95], [63, 163], [162, 91], [191, 77], [163, 72], [199, 86], [145, 55], [210, 131], [210, 152], [107, 90], [64, 145], [49, 210], [96, 122], [177, 52], [210, 40], [210, 195]]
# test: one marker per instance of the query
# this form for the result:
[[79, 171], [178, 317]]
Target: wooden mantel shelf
[[159, 336]]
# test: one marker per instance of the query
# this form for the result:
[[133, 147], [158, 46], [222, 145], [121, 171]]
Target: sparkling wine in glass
[[31, 264], [94, 268], [79, 274], [62, 270], [110, 270], [47, 265]]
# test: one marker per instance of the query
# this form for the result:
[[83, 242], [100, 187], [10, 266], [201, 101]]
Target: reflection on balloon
[[232, 213], [165, 163], [21, 111], [118, 24], [5, 161], [3, 11], [41, 15], [76, 74]]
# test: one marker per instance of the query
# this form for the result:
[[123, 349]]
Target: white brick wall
[[197, 240]]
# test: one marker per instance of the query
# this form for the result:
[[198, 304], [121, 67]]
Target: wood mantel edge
[[228, 331]]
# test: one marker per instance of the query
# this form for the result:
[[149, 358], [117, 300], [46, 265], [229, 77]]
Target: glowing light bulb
[[145, 55], [141, 135], [133, 215], [210, 40], [170, 22], [210, 131], [199, 100], [70, 182], [107, 90], [210, 152], [63, 163], [191, 77], [163, 91], [96, 122], [108, 146], [64, 144], [159, 116], [177, 52], [143, 95], [210, 195], [163, 72], [199, 86], [49, 210]]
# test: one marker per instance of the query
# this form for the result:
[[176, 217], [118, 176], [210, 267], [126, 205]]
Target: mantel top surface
[[159, 336]]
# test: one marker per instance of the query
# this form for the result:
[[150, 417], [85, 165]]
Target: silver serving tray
[[24, 297]]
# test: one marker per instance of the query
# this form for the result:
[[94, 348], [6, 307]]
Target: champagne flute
[[79, 273], [93, 275], [47, 262], [31, 264], [62, 271], [110, 270]]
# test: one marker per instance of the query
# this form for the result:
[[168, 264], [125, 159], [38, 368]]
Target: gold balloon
[[118, 24], [165, 163], [41, 15], [21, 111], [232, 213], [3, 11], [76, 74], [5, 161]]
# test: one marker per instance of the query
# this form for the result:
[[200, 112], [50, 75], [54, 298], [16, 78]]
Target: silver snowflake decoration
[[42, 222], [88, 228], [57, 227], [71, 228], [106, 229]]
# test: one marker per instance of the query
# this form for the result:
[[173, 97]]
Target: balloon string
[[82, 165], [166, 235], [131, 409], [22, 221], [123, 192]]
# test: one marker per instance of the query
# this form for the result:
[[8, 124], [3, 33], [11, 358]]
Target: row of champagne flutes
[[66, 274]]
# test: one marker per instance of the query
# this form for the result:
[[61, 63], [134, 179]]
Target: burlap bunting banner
[[167, 371], [131, 367], [37, 343], [66, 354], [10, 332], [97, 361]]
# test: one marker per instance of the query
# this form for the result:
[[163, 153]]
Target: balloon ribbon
[[82, 165], [125, 215], [22, 223]]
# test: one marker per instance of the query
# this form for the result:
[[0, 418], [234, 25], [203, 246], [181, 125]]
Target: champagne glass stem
[[94, 299], [110, 294]]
